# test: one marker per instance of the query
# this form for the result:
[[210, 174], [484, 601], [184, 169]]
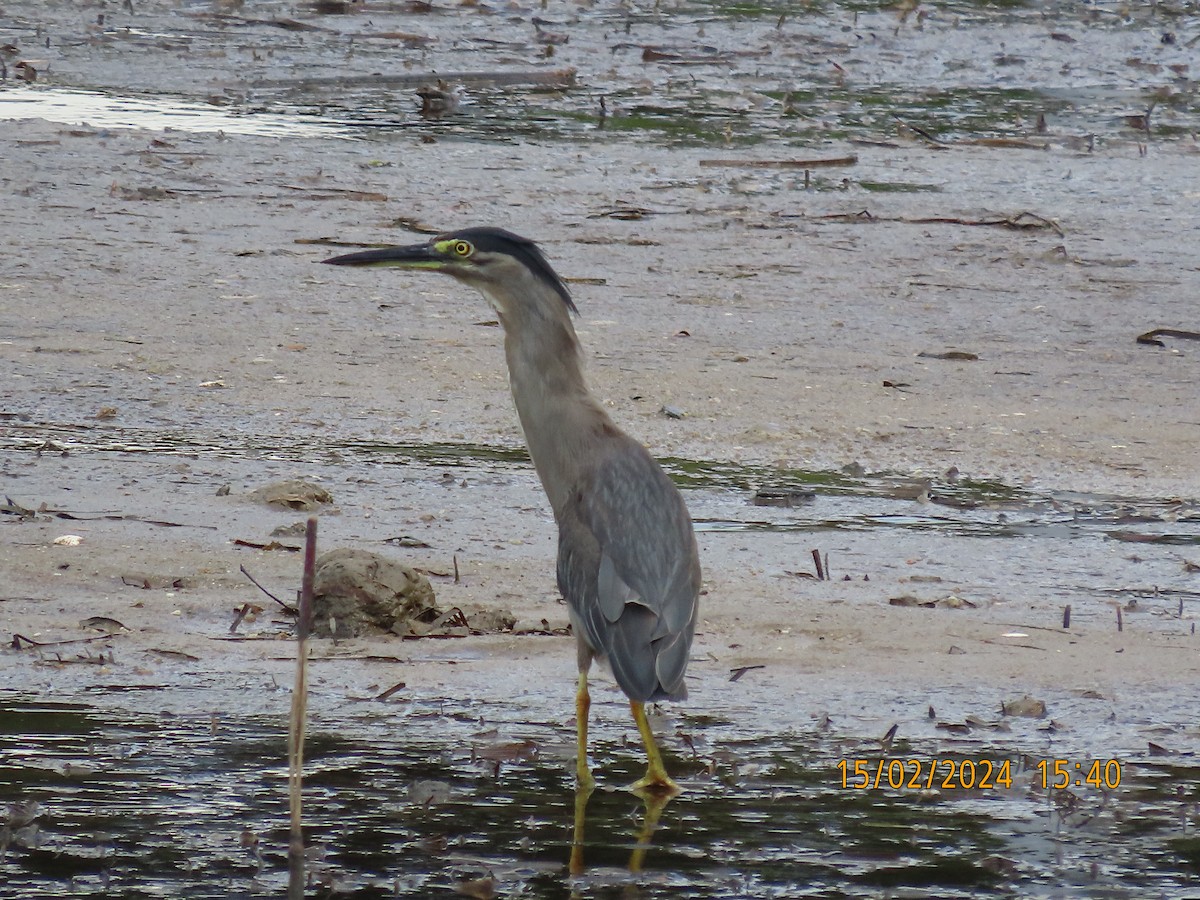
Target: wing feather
[[629, 568]]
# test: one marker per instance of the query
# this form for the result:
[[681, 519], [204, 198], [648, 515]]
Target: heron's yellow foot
[[656, 780], [658, 784]]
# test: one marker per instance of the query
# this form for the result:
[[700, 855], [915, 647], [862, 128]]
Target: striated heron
[[627, 560]]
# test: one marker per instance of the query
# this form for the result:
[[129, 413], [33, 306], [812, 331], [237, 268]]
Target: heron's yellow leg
[[656, 780], [584, 782], [582, 794], [583, 703], [655, 804]]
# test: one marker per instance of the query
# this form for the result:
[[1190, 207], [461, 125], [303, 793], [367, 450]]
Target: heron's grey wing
[[578, 577], [648, 570]]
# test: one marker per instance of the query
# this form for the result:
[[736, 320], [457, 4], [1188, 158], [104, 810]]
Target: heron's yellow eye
[[463, 249]]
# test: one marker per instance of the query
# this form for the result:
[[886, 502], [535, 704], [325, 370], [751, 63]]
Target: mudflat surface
[[167, 333]]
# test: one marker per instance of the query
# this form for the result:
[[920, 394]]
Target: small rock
[[1026, 707], [492, 621], [293, 494], [296, 529], [356, 592]]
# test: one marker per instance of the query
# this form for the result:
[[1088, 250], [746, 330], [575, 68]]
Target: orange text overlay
[[974, 774]]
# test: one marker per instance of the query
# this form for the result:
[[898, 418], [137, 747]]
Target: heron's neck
[[561, 420]]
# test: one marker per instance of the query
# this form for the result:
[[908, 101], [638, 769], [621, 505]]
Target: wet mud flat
[[920, 356]]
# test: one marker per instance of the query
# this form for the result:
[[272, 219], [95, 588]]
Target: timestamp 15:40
[[1062, 773], [968, 774]]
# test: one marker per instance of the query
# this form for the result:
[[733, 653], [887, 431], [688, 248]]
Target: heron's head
[[504, 267]]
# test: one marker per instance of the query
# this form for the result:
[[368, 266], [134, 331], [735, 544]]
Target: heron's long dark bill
[[418, 256]]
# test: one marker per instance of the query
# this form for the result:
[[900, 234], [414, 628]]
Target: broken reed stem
[[299, 713], [816, 555], [287, 609], [1120, 623]]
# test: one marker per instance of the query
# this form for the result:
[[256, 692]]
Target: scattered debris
[[247, 612], [121, 192], [781, 163], [296, 529], [489, 621], [290, 610], [544, 630], [478, 888], [958, 355], [623, 212], [103, 624], [174, 655], [885, 742], [736, 674], [821, 567], [506, 752], [1022, 221], [442, 99], [406, 540], [398, 686], [787, 498], [12, 508], [1152, 337], [972, 723], [545, 78], [153, 582], [20, 641], [999, 865], [268, 545]]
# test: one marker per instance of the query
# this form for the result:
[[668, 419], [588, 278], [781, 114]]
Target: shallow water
[[95, 109], [144, 804]]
